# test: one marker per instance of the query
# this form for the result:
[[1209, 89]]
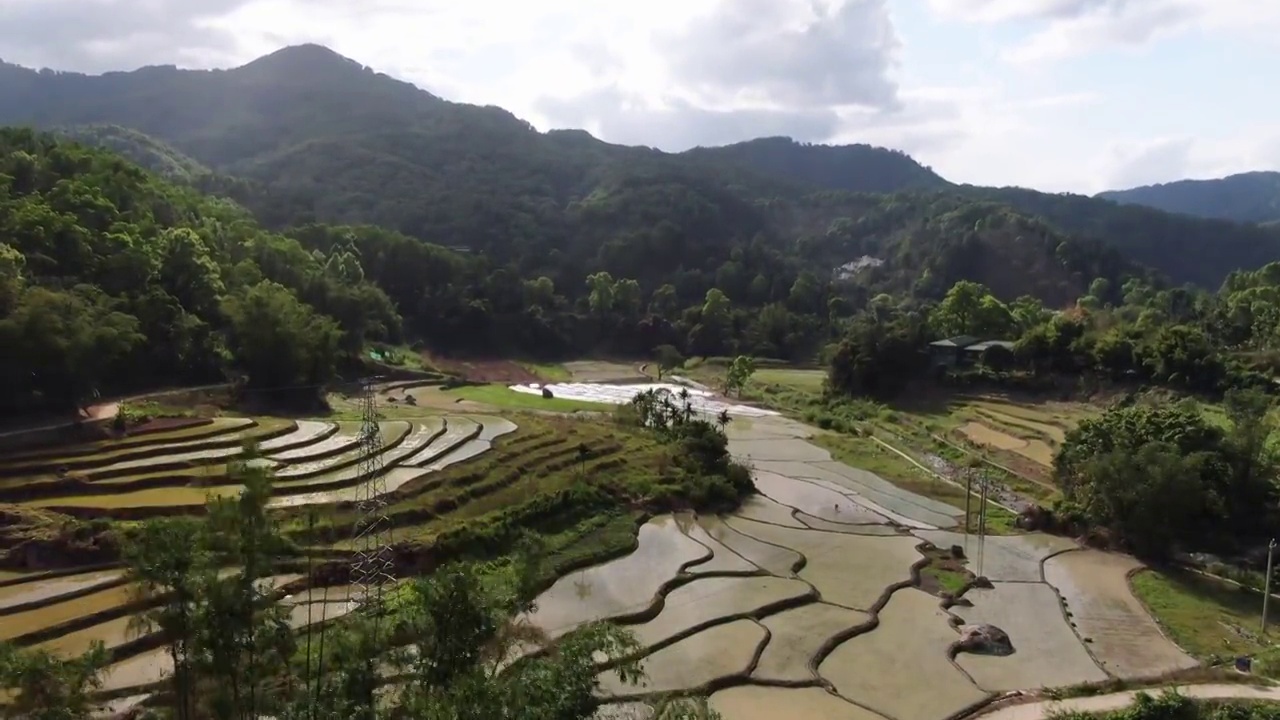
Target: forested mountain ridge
[[1252, 197], [305, 135]]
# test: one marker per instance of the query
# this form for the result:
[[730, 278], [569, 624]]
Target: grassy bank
[[1210, 619]]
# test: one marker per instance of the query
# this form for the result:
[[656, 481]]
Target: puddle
[[695, 661], [706, 599], [753, 702], [149, 667], [107, 450], [35, 591], [185, 457], [308, 431], [619, 587], [456, 430], [722, 558], [156, 497], [392, 432], [796, 635], [758, 507], [1047, 652], [310, 613], [333, 593], [1094, 586], [884, 669], [111, 633], [905, 513], [849, 570], [781, 449], [421, 435], [348, 435], [1011, 558], [771, 558], [828, 526], [814, 499], [18, 624], [468, 450], [493, 428]]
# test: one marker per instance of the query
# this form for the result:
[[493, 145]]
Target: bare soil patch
[[983, 435], [488, 371], [1046, 651], [1114, 624], [900, 669]]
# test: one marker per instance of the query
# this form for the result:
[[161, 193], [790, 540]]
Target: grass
[[792, 379], [1210, 619], [549, 372], [501, 396]]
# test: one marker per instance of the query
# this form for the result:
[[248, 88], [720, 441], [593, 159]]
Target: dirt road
[[1116, 701]]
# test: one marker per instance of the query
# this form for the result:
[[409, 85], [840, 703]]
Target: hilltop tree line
[[1181, 338]]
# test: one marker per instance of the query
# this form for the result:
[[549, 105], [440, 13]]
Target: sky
[[1058, 95]]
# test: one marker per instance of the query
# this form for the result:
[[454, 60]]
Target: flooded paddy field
[[814, 583]]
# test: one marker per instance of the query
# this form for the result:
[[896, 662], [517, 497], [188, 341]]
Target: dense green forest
[[115, 278], [305, 135], [1252, 197]]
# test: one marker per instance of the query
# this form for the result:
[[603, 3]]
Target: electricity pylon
[[373, 566]]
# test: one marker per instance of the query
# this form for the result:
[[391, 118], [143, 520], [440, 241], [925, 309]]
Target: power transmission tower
[[373, 566], [984, 489]]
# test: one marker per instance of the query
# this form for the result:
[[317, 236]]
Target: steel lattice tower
[[373, 566]]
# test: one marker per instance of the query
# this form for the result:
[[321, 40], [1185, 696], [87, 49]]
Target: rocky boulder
[[984, 639]]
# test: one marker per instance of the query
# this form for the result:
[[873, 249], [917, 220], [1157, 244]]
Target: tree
[[668, 359], [969, 308], [740, 372], [44, 687], [1151, 498], [170, 565], [279, 341]]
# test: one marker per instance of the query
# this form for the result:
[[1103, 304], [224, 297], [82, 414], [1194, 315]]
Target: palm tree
[[723, 419]]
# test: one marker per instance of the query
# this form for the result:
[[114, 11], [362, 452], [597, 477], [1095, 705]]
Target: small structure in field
[[962, 350]]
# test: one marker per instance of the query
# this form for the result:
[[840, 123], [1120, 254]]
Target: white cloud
[[678, 73], [1079, 27], [1164, 159]]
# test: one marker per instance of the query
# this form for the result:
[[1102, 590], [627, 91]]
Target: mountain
[[1252, 197], [305, 135]]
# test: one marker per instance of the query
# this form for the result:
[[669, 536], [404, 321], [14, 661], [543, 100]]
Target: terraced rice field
[[317, 462], [813, 584], [811, 613]]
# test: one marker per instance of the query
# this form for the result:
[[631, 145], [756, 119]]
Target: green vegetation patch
[[1208, 618]]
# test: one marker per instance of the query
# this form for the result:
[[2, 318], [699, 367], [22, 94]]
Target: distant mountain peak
[[306, 58]]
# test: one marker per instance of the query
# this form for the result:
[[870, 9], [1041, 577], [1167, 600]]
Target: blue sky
[[1060, 95]]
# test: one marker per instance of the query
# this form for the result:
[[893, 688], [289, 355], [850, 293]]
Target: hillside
[[305, 135], [113, 279], [1247, 197]]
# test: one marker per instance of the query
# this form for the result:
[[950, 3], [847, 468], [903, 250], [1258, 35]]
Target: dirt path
[[103, 411], [1116, 701]]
